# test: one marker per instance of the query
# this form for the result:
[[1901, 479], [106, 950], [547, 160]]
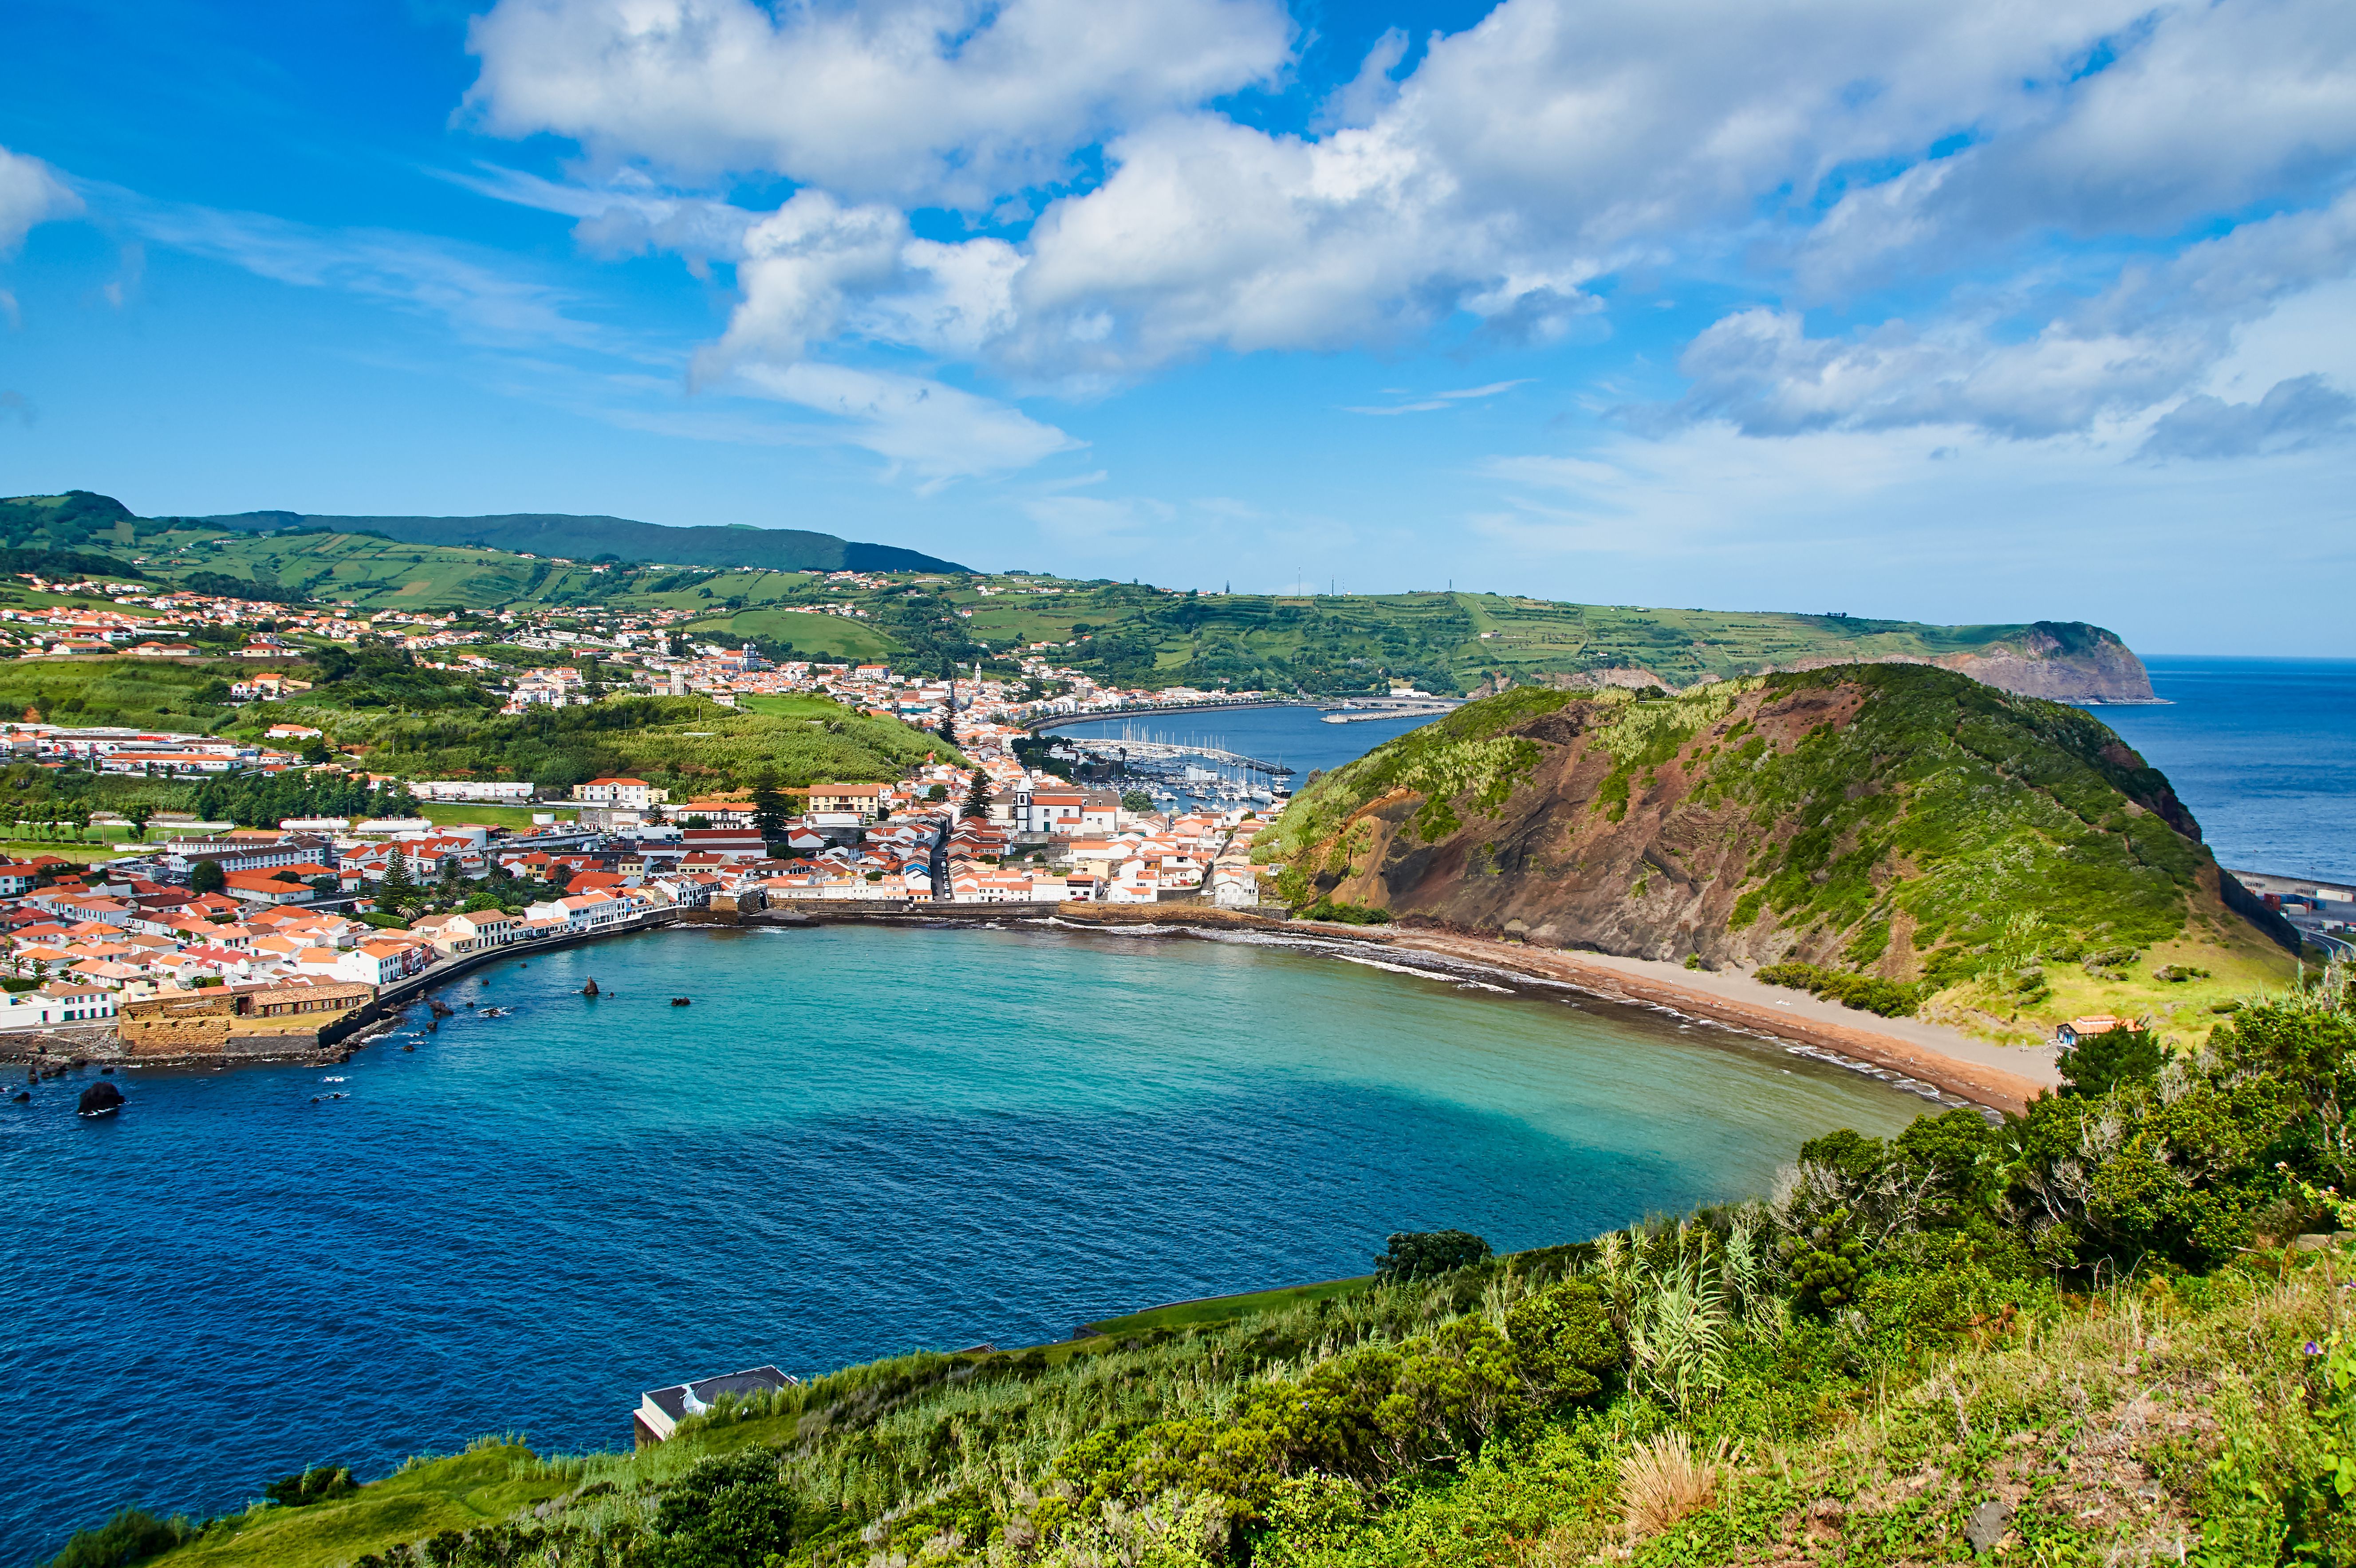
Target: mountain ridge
[[79, 518], [592, 535]]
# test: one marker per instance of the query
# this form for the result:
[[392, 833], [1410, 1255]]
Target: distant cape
[[589, 538]]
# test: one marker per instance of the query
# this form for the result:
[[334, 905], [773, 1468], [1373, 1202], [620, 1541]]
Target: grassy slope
[[490, 1481], [1985, 830], [377, 574], [894, 1415], [1444, 631], [838, 635], [517, 817], [146, 693], [693, 743], [2093, 1418], [1225, 1308], [690, 744], [1334, 642]]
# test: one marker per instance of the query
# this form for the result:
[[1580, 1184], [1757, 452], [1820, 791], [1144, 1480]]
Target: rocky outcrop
[[2060, 661], [100, 1099], [2063, 662], [1892, 817]]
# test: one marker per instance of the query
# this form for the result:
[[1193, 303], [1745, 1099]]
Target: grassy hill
[[1999, 861], [1467, 641], [762, 585], [680, 743], [618, 539], [2080, 1337], [424, 724]]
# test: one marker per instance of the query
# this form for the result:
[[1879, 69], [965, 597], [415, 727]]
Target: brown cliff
[[1895, 818]]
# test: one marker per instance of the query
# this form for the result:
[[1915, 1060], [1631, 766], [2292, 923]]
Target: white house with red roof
[[636, 793]]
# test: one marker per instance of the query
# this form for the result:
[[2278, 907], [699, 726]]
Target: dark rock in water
[[682, 1001], [100, 1100], [23, 1095], [409, 1048], [591, 988], [314, 1099], [434, 1028], [106, 1073]]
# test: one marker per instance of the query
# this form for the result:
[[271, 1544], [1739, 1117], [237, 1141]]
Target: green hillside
[[685, 744], [1446, 641], [1995, 860], [758, 585], [618, 538]]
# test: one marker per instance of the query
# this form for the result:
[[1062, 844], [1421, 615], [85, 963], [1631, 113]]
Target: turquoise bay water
[[858, 1140]]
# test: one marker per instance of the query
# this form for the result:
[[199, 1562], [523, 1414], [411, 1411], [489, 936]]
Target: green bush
[[1349, 914], [1564, 1344], [1421, 1254], [2102, 1063], [129, 1537], [1867, 993], [316, 1485]]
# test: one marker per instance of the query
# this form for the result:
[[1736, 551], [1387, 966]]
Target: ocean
[[856, 1141], [2264, 752]]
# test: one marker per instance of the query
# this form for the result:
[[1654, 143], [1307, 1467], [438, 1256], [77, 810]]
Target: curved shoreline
[[1952, 1064], [1993, 1077]]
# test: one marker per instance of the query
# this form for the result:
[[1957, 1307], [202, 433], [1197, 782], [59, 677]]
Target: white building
[[492, 790], [636, 793]]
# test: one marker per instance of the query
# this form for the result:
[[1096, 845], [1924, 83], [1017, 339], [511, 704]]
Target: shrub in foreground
[[131, 1536]]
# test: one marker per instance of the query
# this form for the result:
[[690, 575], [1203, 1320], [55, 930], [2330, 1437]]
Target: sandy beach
[[1985, 1073], [2003, 1077]]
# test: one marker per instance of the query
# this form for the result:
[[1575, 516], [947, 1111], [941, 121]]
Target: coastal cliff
[[1892, 819], [2062, 661]]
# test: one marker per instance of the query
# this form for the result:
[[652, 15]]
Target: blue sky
[[1966, 314]]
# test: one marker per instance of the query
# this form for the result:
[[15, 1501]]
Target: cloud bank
[[2079, 202]]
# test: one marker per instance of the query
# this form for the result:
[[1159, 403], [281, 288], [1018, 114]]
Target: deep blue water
[[2263, 751], [857, 1141]]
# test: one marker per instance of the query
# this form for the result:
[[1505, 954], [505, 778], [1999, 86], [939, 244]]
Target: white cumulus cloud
[[947, 101], [2154, 335], [1984, 156]]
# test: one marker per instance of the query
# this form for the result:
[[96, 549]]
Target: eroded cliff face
[[1872, 816], [2091, 665], [2060, 661]]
